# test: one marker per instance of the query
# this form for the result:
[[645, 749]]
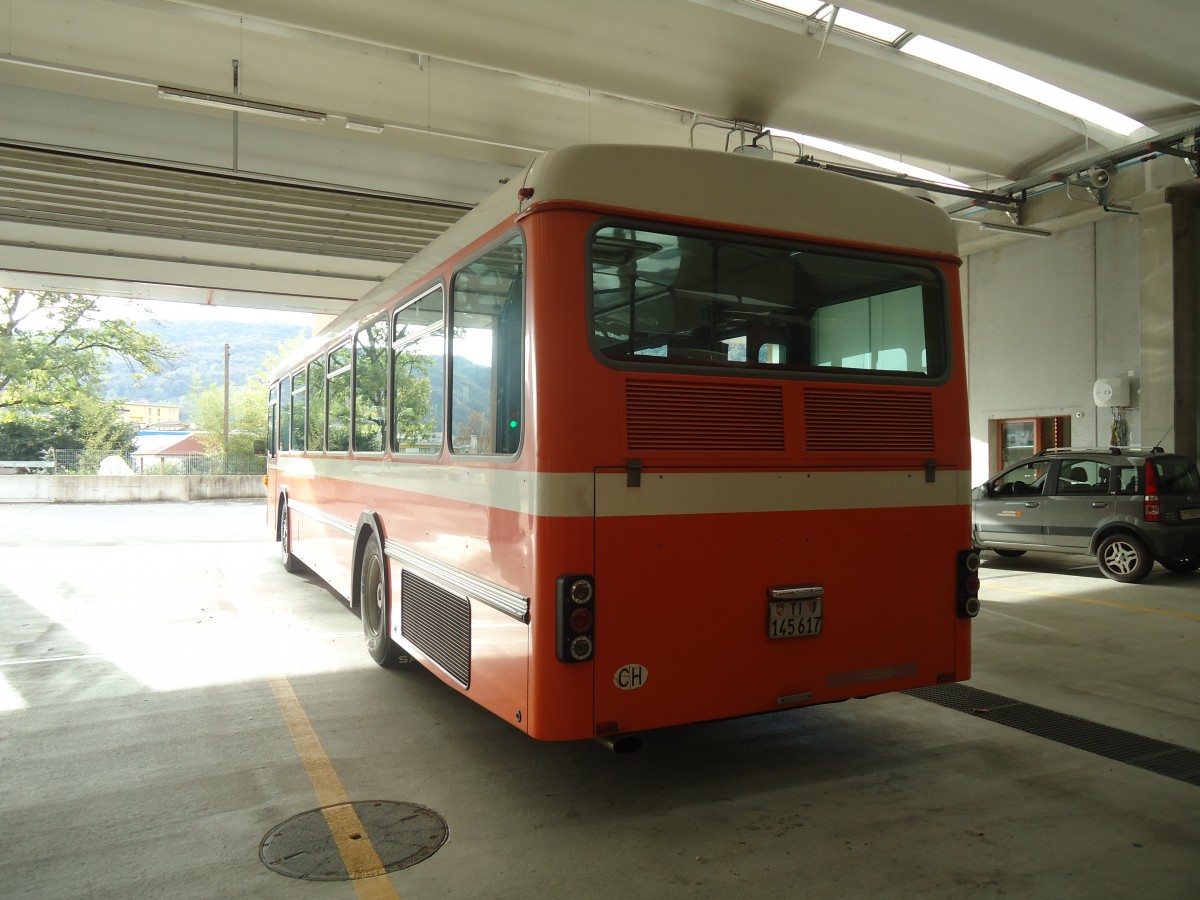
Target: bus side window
[[299, 408], [370, 387], [285, 413], [337, 402], [419, 375], [487, 363], [316, 404], [272, 417]]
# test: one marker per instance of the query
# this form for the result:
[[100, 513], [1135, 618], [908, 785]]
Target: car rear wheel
[[1182, 563], [1124, 558], [1010, 554]]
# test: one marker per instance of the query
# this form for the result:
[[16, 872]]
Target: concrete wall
[[127, 489], [1046, 318]]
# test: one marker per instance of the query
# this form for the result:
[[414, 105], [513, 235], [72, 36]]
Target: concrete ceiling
[[426, 105]]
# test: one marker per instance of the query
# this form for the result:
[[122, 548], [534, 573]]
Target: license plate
[[794, 618], [1189, 514]]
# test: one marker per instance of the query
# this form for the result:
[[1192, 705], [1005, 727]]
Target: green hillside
[[203, 344]]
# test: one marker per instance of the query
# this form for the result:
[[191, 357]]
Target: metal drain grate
[[1160, 757]]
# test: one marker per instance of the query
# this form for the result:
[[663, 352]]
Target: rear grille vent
[[439, 623], [674, 417], [875, 421]]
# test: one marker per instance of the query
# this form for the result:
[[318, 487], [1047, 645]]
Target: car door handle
[[1031, 504], [1100, 504]]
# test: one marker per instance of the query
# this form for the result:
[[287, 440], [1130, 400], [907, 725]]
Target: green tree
[[55, 347], [247, 415], [247, 407], [55, 350]]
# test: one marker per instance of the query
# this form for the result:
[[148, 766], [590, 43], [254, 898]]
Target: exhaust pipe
[[620, 743]]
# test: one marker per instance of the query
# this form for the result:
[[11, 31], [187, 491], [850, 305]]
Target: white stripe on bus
[[573, 494]]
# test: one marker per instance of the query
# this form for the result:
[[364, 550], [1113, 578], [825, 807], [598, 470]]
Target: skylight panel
[[866, 156], [846, 19], [1019, 83], [864, 25], [801, 7]]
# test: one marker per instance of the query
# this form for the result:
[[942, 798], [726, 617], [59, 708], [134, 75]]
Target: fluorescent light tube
[[240, 104]]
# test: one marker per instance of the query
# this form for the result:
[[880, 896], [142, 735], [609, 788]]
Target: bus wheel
[[373, 606], [290, 562]]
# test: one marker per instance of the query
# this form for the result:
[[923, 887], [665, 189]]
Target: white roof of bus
[[737, 189], [681, 182]]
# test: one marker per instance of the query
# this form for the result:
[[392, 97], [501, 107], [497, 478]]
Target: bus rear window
[[695, 300]]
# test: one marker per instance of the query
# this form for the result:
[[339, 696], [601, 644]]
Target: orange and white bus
[[652, 436]]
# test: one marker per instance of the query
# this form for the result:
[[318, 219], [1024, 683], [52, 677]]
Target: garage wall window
[[1015, 439]]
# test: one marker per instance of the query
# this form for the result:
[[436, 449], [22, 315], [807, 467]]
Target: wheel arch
[[369, 528], [1117, 528]]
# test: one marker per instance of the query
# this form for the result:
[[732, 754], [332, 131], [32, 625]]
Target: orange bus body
[[685, 496]]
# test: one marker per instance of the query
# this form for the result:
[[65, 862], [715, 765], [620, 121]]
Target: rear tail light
[[1151, 508], [576, 623], [968, 584]]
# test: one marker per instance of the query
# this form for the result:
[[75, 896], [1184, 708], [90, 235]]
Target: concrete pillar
[[1170, 294], [1185, 246]]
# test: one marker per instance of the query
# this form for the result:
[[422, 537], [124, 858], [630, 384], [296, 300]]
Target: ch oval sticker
[[631, 677]]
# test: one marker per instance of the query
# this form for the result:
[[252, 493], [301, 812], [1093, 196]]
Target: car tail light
[[1151, 508], [968, 584], [576, 624]]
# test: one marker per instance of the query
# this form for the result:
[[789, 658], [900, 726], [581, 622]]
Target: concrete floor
[[146, 658]]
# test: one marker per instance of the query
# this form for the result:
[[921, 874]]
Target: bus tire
[[290, 562], [374, 608]]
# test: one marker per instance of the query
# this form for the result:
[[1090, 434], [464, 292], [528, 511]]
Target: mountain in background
[[203, 363]]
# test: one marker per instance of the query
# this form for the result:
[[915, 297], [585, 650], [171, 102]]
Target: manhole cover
[[372, 837]]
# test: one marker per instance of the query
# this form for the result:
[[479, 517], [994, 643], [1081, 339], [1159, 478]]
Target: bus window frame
[[343, 342], [420, 294], [284, 438], [451, 292], [366, 325], [781, 372], [303, 409], [272, 419], [321, 358]]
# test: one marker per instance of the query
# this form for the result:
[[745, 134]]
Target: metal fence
[[90, 462]]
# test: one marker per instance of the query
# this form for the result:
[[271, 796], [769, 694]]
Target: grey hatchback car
[[1126, 507]]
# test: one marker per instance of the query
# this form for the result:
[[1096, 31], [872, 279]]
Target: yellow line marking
[[1129, 606], [362, 862]]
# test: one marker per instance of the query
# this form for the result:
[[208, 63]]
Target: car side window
[[1082, 476], [1127, 480], [1022, 480]]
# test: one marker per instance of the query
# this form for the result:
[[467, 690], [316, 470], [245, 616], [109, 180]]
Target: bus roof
[[705, 186], [741, 190]]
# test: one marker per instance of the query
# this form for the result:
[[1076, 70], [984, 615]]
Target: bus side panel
[[682, 610]]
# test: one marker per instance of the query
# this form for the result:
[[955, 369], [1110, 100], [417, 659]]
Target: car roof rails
[[1110, 451]]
